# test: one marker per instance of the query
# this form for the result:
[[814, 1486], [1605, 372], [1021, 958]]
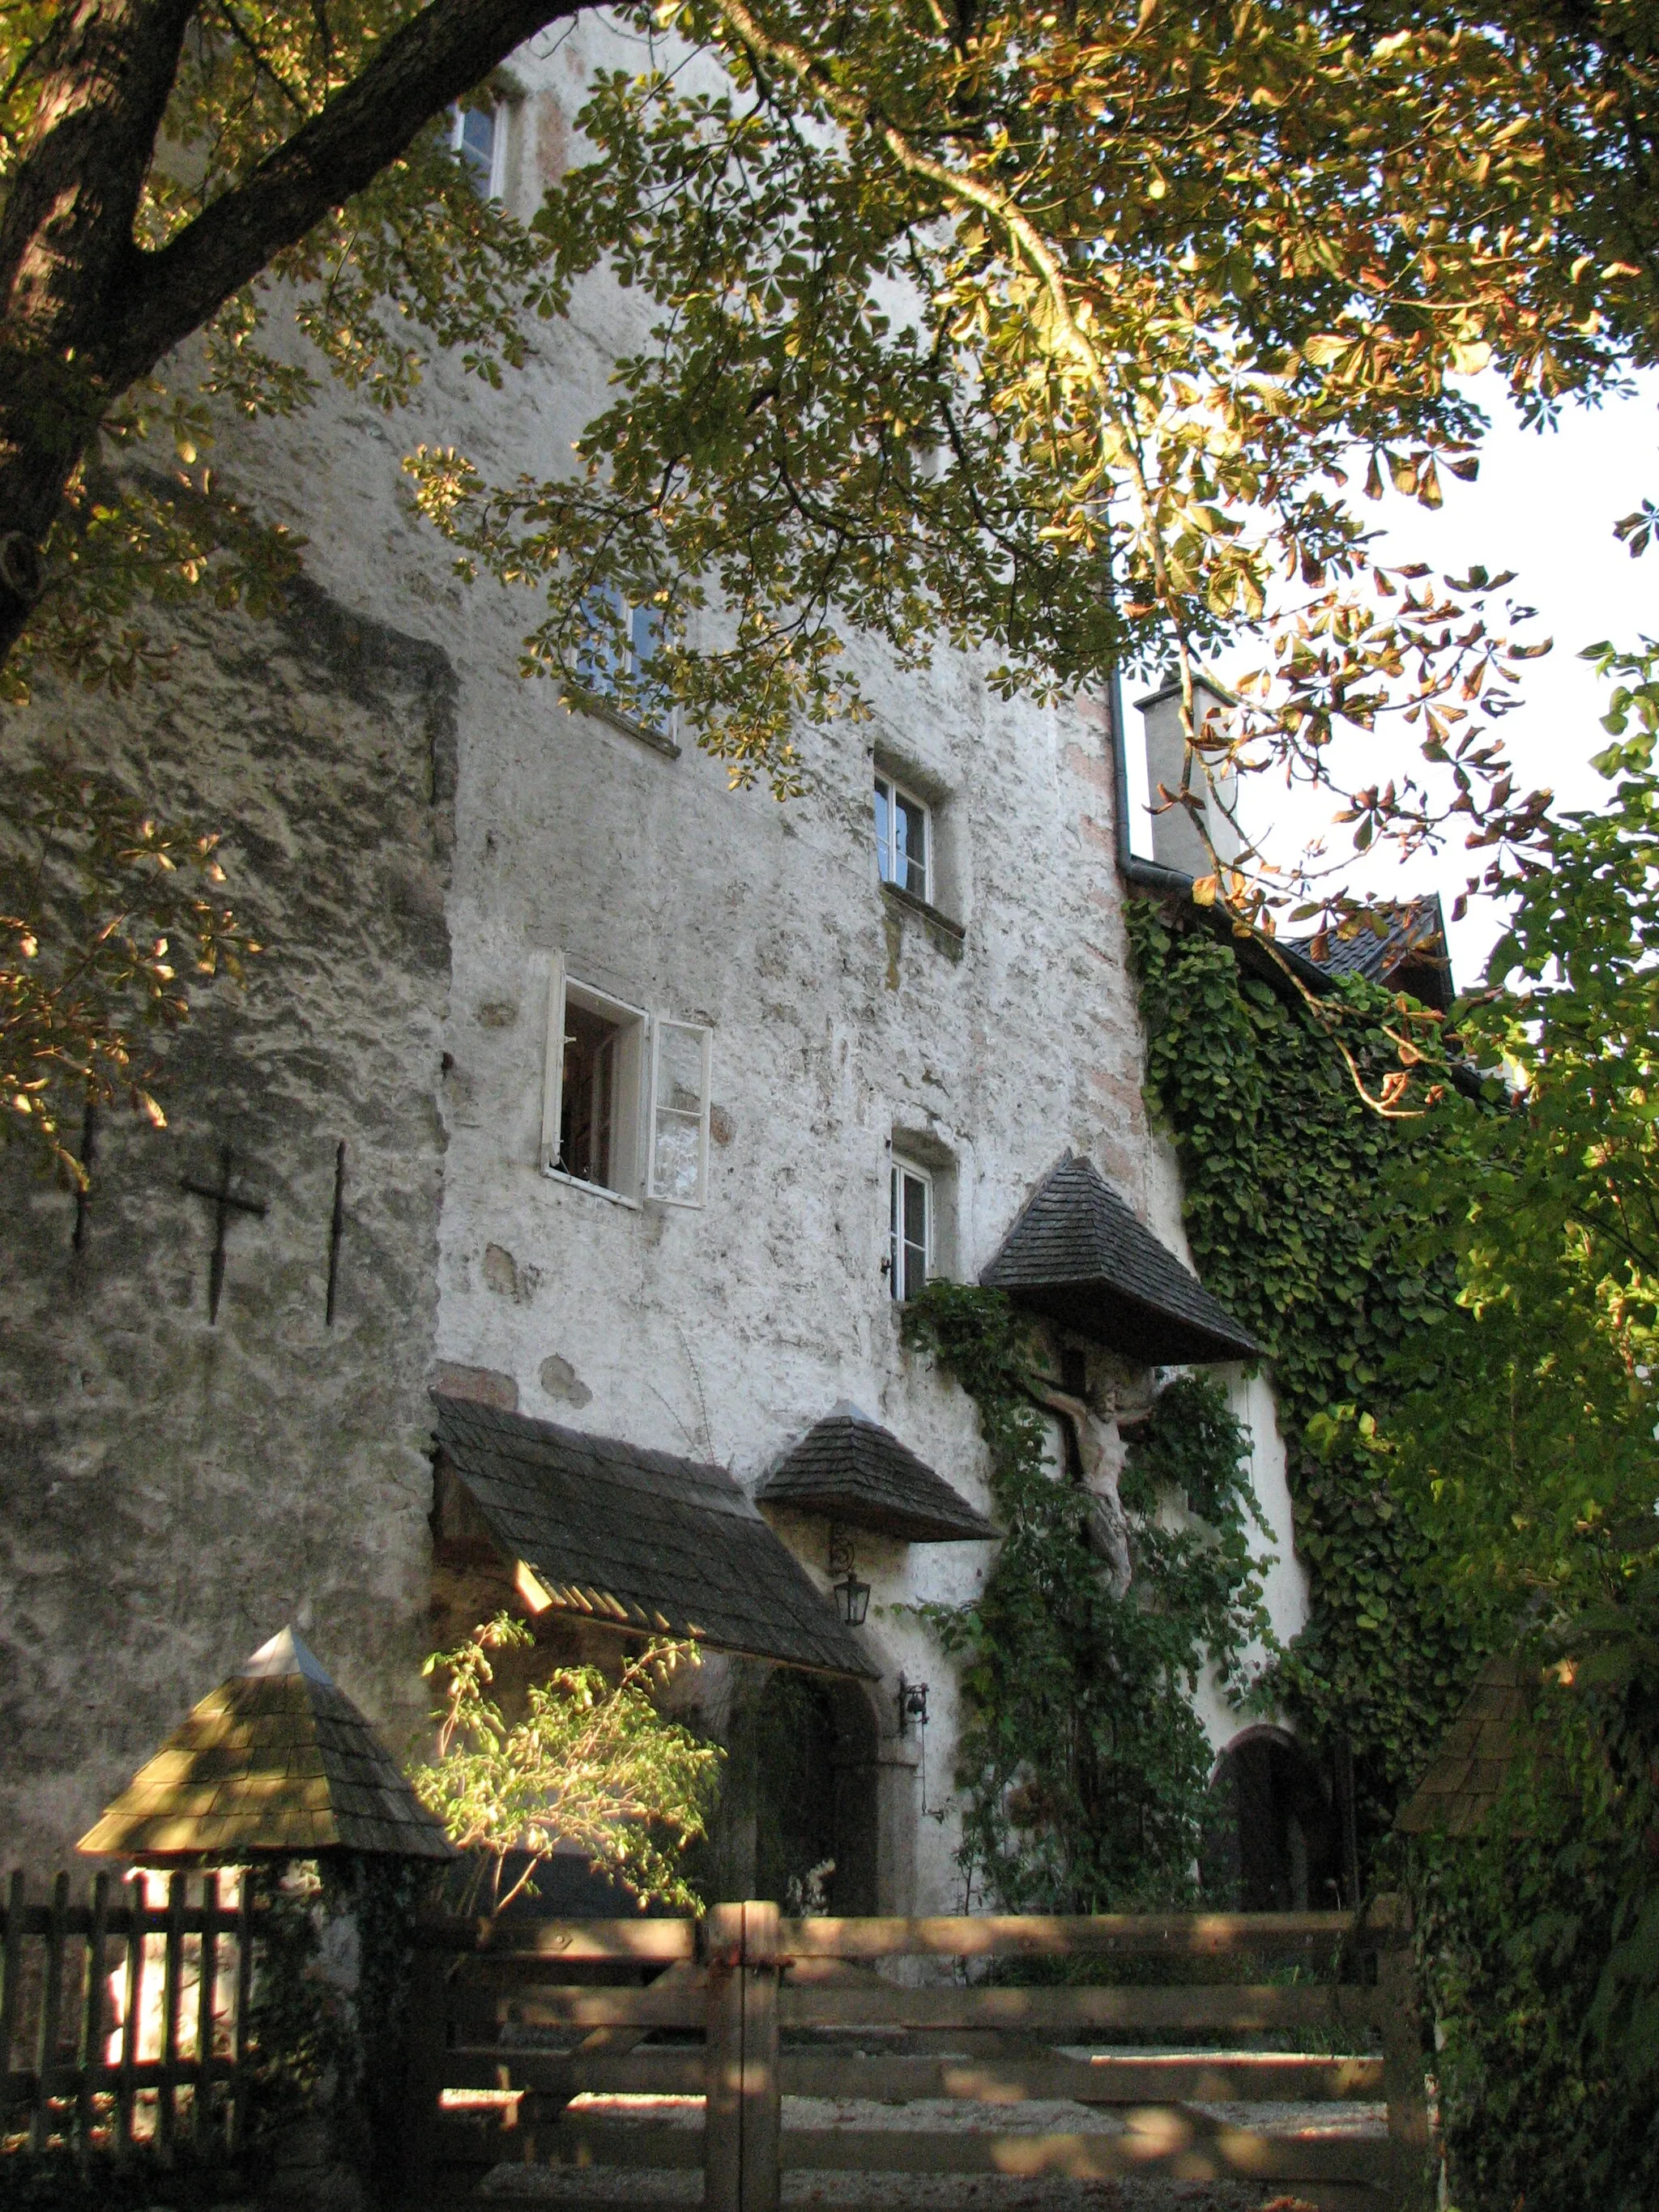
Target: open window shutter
[[679, 1112], [553, 1074]]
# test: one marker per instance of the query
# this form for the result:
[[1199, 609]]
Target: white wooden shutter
[[678, 1165], [553, 1070]]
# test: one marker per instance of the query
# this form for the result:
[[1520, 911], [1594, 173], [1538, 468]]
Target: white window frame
[[498, 111], [633, 1134], [899, 1167], [706, 1037], [887, 857], [626, 1131]]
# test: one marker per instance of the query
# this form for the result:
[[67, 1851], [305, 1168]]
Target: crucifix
[[225, 1202]]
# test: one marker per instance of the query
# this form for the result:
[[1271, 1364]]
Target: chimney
[[1176, 840]]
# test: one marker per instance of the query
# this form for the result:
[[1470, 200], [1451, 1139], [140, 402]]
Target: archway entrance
[[1273, 1837], [815, 1794]]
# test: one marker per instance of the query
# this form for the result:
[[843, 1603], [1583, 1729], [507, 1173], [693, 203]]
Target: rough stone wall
[[210, 1483], [171, 1492]]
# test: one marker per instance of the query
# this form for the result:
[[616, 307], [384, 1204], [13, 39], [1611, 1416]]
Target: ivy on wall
[[1082, 1764], [1291, 1185]]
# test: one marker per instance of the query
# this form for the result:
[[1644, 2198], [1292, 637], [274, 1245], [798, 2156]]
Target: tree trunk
[[83, 312], [105, 68]]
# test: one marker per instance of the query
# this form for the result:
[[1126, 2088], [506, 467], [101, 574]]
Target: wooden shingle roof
[[641, 1540], [1077, 1255], [1467, 1773], [848, 1467], [275, 1763]]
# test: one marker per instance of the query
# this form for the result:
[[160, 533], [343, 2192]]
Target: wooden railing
[[515, 2020], [122, 2020]]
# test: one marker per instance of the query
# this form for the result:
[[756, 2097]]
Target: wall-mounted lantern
[[852, 1595]]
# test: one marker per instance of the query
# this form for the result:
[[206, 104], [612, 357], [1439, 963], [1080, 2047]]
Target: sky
[[1544, 506]]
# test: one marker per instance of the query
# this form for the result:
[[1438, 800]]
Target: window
[[903, 839], [478, 135], [910, 1229], [679, 1113], [612, 1067], [621, 643]]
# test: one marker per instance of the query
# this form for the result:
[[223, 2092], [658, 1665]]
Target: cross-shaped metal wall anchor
[[225, 1202]]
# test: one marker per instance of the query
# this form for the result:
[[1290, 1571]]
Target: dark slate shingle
[[853, 1469], [1467, 1776], [276, 1759], [657, 1544], [1077, 1254]]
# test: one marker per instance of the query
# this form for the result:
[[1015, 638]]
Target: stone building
[[615, 1109]]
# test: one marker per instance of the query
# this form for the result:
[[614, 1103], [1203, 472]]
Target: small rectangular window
[[903, 838], [478, 135], [625, 1100], [910, 1229], [679, 1113], [590, 1110], [622, 642]]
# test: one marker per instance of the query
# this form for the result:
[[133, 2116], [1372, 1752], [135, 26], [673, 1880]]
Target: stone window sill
[[657, 739], [953, 931]]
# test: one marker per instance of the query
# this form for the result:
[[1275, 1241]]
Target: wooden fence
[[526, 2030], [121, 2019]]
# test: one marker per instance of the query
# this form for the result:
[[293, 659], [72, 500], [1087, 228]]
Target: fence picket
[[50, 2016], [11, 1977], [132, 1993], [207, 1969], [94, 2009], [236, 2111], [172, 1975]]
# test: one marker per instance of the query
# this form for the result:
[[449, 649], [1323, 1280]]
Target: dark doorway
[[1273, 1838], [815, 1796]]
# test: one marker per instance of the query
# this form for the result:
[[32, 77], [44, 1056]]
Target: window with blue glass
[[622, 642], [903, 835], [478, 136]]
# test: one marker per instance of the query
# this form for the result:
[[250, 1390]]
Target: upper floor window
[[478, 135], [626, 1096], [910, 1229], [620, 646], [903, 839]]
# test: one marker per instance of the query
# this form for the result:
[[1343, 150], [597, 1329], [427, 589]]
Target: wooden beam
[[1232, 2076], [1026, 1936], [645, 1941], [1072, 2012], [1179, 2145]]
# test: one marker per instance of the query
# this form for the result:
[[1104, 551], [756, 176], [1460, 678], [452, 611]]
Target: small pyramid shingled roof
[[1466, 1775], [850, 1468], [276, 1762], [1077, 1255]]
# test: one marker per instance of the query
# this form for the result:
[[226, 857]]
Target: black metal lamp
[[852, 1597]]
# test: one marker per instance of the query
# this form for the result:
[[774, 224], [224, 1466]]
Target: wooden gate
[[531, 2035], [123, 2020]]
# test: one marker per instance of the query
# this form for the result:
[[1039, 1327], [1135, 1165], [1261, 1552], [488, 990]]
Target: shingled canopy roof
[[1467, 1776], [850, 1468], [1077, 1254], [641, 1540], [275, 1763]]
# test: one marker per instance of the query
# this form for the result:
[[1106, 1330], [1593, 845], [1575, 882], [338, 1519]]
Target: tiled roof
[[1395, 932], [850, 1468], [1077, 1254], [1469, 1770], [654, 1544], [276, 1761]]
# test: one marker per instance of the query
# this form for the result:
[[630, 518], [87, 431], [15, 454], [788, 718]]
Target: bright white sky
[[1544, 506]]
